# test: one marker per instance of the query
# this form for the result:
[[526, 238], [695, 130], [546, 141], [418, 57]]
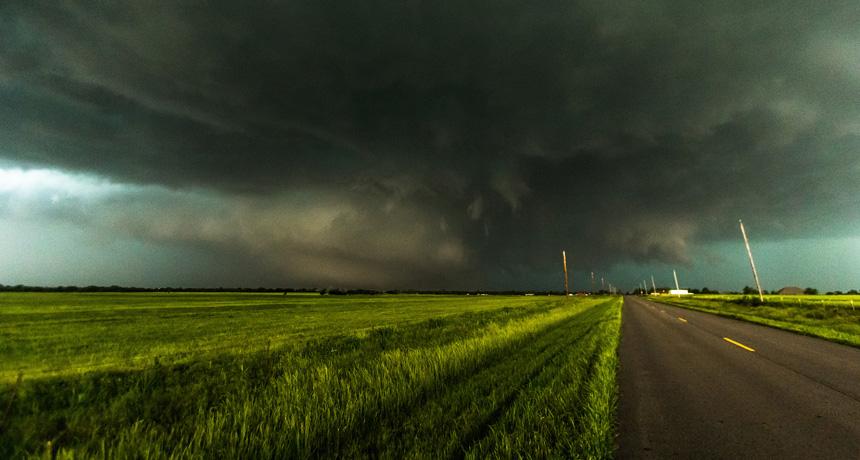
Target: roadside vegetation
[[832, 317], [268, 376]]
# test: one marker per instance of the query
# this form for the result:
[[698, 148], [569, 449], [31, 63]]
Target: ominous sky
[[428, 144]]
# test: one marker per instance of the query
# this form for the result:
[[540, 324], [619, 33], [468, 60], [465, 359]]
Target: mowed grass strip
[[353, 395], [834, 318]]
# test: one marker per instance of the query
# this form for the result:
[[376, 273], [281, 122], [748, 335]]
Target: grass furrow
[[447, 424], [323, 408], [56, 334], [568, 410], [528, 378]]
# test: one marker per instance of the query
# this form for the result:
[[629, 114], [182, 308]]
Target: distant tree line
[[808, 291], [115, 288], [338, 291], [324, 291], [704, 290], [747, 290]]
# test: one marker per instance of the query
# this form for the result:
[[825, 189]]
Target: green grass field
[[835, 318], [271, 376]]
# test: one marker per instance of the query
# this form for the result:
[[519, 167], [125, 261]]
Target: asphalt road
[[686, 392]]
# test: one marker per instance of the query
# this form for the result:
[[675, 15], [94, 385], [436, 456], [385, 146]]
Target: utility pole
[[653, 285], [677, 288], [752, 263], [564, 263]]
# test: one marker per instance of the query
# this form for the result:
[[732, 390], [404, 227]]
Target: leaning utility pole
[[653, 285], [564, 263], [752, 263], [677, 288]]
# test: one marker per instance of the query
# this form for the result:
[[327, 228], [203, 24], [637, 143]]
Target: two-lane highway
[[695, 385]]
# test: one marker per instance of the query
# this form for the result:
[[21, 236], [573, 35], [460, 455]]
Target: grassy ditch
[[836, 320], [531, 377]]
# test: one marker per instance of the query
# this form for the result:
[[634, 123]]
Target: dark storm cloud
[[492, 134]]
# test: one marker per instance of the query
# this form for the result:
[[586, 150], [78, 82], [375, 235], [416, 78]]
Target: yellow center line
[[682, 319], [738, 344]]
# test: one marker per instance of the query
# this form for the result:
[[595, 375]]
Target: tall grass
[[452, 385], [818, 316], [572, 401], [55, 334]]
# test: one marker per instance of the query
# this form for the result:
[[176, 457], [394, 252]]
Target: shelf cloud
[[431, 144]]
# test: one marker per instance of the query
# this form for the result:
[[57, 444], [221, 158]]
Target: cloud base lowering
[[427, 144]]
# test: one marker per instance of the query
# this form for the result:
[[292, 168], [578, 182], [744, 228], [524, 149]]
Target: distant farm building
[[790, 290], [679, 292]]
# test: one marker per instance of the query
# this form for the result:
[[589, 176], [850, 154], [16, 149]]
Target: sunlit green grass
[[56, 333], [835, 318], [267, 376]]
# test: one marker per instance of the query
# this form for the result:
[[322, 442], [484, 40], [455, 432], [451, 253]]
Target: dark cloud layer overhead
[[437, 144]]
